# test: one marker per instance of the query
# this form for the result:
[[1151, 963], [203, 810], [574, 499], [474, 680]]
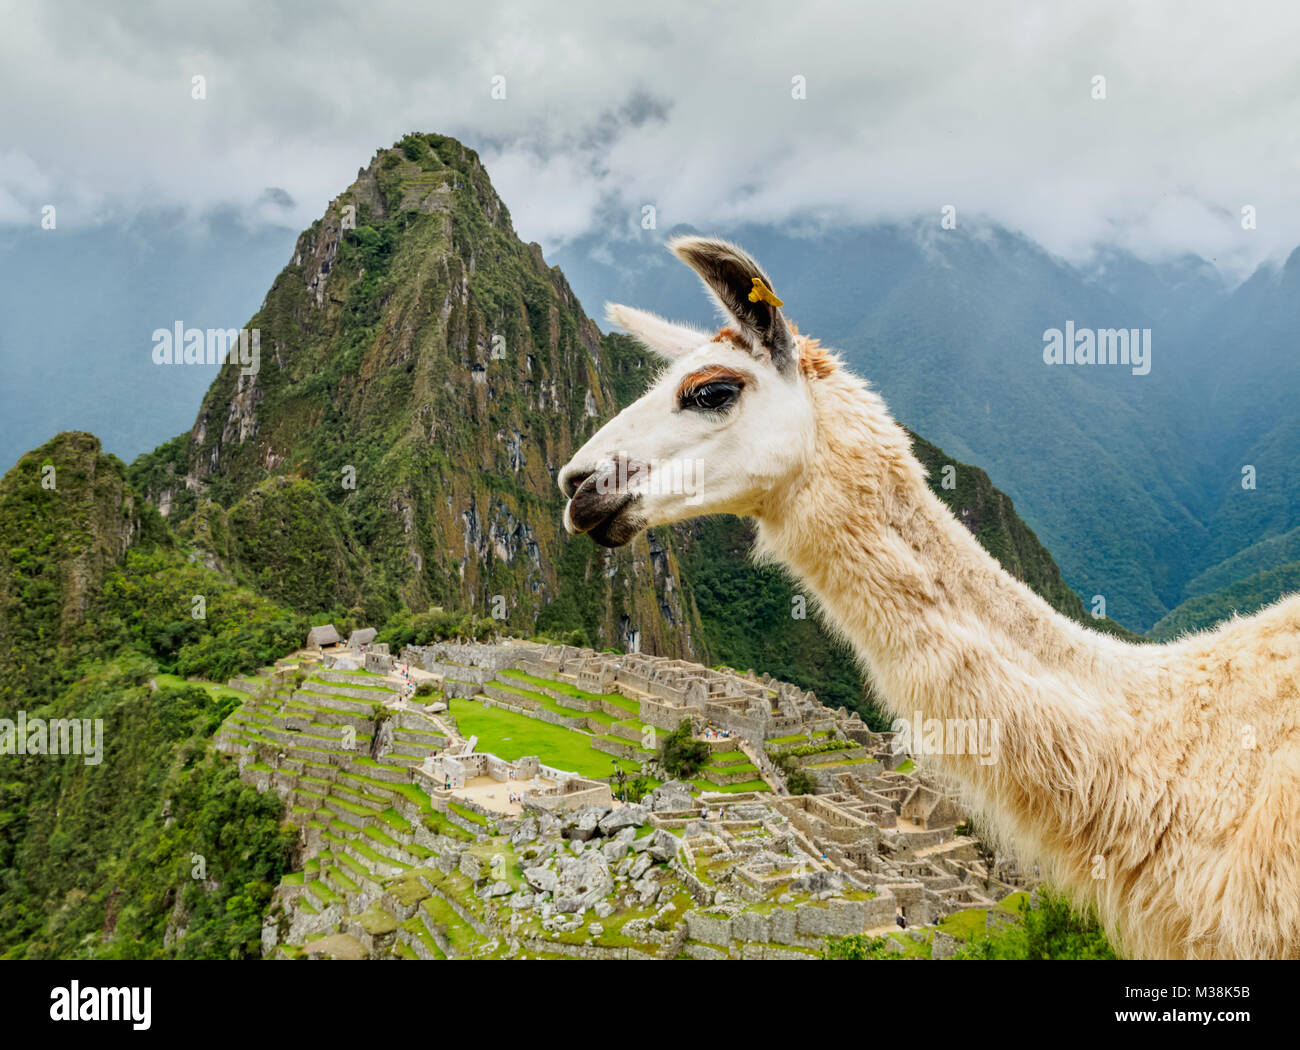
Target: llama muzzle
[[601, 501]]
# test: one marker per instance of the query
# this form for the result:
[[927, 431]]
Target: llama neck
[[944, 632]]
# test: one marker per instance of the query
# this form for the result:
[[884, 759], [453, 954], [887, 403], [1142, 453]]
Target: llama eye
[[712, 397]]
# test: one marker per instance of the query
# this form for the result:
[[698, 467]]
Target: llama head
[[726, 424]]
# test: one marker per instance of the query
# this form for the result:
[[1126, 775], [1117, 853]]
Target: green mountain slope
[[99, 850], [1263, 554], [66, 515], [1241, 597]]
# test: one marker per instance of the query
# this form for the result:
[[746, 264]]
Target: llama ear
[[743, 290], [663, 337]]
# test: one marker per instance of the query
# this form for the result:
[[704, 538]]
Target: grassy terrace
[[468, 814], [512, 736], [960, 924], [379, 689], [798, 738], [723, 758], [736, 767], [625, 742], [334, 702], [838, 763], [616, 699], [747, 785], [553, 705]]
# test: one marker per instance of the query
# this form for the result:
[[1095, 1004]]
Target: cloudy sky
[[910, 106]]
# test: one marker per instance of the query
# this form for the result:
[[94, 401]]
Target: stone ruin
[[740, 874]]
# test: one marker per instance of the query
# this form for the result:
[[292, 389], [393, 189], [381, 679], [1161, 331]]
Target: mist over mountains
[[80, 304]]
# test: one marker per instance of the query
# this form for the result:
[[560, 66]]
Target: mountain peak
[[425, 373]]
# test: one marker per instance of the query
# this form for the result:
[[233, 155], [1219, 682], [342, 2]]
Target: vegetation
[[825, 747], [513, 736], [798, 781], [1241, 598], [856, 947], [681, 754], [101, 861], [102, 616], [1052, 930], [435, 625]]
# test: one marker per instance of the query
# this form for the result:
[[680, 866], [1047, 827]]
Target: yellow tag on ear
[[764, 293]]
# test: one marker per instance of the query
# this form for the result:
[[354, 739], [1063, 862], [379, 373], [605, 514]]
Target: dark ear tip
[[691, 247]]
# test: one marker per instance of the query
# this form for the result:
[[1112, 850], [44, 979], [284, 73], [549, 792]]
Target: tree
[[681, 754], [1051, 930], [855, 947], [799, 782]]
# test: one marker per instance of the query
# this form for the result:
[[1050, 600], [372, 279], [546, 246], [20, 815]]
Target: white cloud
[[684, 105]]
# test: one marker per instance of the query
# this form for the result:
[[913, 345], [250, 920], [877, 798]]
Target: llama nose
[[571, 478]]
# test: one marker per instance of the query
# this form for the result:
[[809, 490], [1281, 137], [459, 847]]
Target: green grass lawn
[[1012, 902], [721, 757], [172, 681], [964, 924], [907, 766], [511, 736]]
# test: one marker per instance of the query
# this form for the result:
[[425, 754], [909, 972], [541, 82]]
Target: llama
[[1157, 783]]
